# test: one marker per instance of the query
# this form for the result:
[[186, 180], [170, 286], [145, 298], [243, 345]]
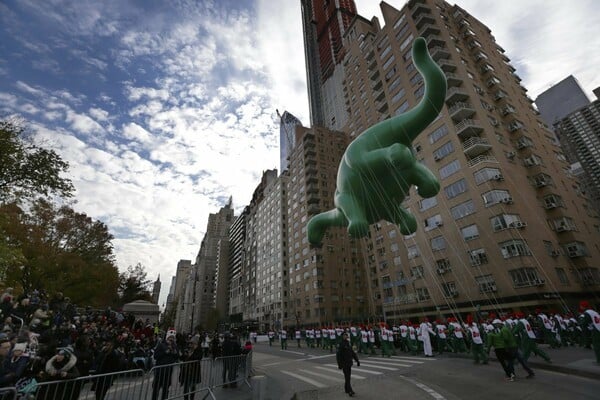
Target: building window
[[523, 277], [487, 174], [470, 232], [449, 169], [402, 108], [438, 134], [504, 221], [456, 188], [433, 222], [496, 196], [449, 289], [413, 251], [438, 243], [416, 272], [562, 276], [477, 257], [443, 151], [426, 204], [423, 294], [463, 209], [514, 248], [398, 96], [486, 283], [406, 42]]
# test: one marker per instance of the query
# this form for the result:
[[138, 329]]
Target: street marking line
[[361, 370], [379, 367], [332, 378], [391, 363], [295, 352], [338, 371], [394, 360], [316, 357], [425, 388], [305, 379], [416, 358]]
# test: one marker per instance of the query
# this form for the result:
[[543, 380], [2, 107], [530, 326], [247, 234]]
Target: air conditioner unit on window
[[506, 200], [498, 177], [511, 154], [573, 253], [561, 228], [551, 205], [439, 223], [555, 253], [437, 157]]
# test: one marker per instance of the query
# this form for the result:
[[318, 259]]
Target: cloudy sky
[[166, 108]]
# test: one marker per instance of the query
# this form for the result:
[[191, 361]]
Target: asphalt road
[[313, 374]]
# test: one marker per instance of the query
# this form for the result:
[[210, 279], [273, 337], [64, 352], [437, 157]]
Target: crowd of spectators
[[48, 338]]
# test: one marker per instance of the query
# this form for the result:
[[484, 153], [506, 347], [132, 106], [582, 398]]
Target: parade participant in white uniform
[[283, 339], [318, 337], [391, 344], [371, 340], [440, 330], [404, 337], [425, 330], [364, 340], [298, 337], [477, 348], [412, 339], [271, 336], [527, 339]]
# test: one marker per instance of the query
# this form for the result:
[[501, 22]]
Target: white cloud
[[99, 114], [83, 123]]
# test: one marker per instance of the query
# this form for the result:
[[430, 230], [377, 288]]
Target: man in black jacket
[[231, 349], [345, 355], [166, 355]]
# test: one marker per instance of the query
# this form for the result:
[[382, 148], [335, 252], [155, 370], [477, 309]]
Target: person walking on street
[[345, 356], [283, 339], [498, 339]]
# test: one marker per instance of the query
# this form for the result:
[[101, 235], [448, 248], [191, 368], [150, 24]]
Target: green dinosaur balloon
[[379, 167]]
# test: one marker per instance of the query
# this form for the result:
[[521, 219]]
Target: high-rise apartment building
[[287, 137], [267, 232], [156, 290], [579, 133], [237, 255], [326, 283], [561, 100], [201, 281], [324, 24], [506, 230]]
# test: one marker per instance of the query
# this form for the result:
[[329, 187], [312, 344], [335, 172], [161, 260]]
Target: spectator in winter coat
[[165, 354], [231, 347], [14, 365], [61, 369], [345, 355], [107, 361], [190, 373]]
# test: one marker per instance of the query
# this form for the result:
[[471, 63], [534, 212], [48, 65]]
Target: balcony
[[475, 146], [435, 40], [456, 94], [312, 189], [313, 199], [447, 65], [468, 127], [377, 85], [310, 162], [420, 9], [453, 79], [374, 75], [482, 159], [439, 52], [424, 19], [460, 111], [309, 152], [429, 29], [313, 209]]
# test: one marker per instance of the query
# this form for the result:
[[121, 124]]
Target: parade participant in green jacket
[[527, 339], [590, 324], [500, 340]]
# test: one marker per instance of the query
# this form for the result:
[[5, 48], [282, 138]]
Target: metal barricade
[[8, 393], [123, 385], [179, 380], [228, 371]]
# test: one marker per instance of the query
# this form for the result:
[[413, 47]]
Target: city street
[[313, 374]]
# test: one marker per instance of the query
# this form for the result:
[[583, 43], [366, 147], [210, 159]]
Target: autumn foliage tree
[[62, 251], [43, 245], [134, 285]]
